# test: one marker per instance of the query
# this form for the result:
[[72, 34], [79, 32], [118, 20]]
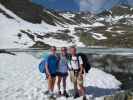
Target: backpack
[[42, 66], [86, 64]]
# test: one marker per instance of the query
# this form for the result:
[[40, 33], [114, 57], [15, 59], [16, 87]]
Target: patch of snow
[[68, 15], [109, 29], [98, 36], [118, 17], [100, 19], [104, 80], [21, 80], [108, 18], [120, 32], [9, 30], [97, 24], [76, 40], [131, 9]]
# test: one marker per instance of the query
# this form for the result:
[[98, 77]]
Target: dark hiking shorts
[[62, 74], [52, 75]]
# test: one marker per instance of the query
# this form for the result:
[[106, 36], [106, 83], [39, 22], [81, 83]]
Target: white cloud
[[91, 5]]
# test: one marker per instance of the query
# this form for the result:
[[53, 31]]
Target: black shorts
[[62, 74], [52, 75]]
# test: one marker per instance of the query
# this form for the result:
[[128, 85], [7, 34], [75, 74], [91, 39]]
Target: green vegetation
[[121, 10], [114, 38], [117, 11], [87, 39]]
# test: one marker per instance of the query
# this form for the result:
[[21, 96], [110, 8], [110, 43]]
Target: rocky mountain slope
[[25, 24], [117, 29]]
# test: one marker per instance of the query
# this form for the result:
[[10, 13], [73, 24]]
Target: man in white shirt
[[76, 70]]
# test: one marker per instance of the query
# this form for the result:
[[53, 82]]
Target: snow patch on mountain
[[98, 36], [67, 15]]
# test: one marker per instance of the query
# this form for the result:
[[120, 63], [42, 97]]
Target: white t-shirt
[[74, 63]]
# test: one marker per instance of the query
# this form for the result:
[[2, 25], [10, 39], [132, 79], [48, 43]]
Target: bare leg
[[59, 81], [82, 90], [76, 92], [64, 83], [53, 83], [49, 83], [64, 86]]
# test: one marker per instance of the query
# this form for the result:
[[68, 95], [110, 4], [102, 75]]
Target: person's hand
[[48, 75]]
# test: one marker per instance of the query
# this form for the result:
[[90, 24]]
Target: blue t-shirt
[[63, 65], [52, 62]]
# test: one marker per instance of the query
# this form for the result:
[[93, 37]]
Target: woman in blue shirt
[[62, 72]]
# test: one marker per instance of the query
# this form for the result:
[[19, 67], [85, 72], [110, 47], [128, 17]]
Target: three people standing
[[60, 65]]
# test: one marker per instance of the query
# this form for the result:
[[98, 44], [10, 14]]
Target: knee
[[59, 80], [64, 80]]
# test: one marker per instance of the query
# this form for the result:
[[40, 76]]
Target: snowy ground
[[20, 80]]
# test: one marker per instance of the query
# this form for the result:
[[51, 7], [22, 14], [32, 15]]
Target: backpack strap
[[70, 59], [78, 61]]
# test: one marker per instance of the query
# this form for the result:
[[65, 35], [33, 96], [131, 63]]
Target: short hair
[[72, 47], [64, 48]]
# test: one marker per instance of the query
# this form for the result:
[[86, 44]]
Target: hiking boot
[[50, 95], [76, 95], [84, 98], [59, 93], [46, 92], [65, 94]]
